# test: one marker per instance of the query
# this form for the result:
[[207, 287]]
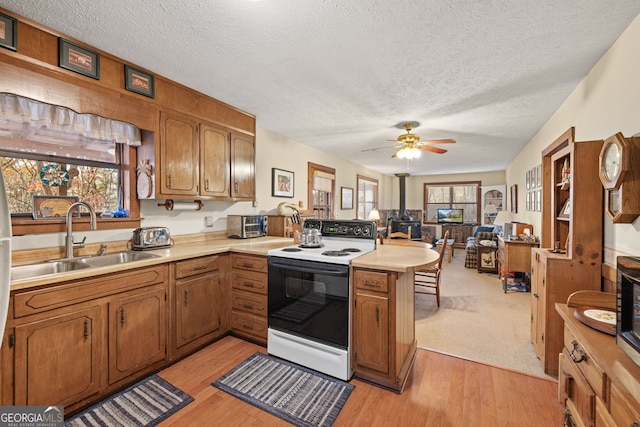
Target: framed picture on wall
[[8, 32], [281, 183], [78, 59], [346, 199]]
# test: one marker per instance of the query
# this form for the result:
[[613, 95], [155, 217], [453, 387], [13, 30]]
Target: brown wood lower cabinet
[[76, 341], [598, 383], [384, 344], [60, 360], [137, 332], [249, 297], [197, 303]]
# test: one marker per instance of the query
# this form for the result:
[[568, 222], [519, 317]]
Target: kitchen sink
[[65, 265], [115, 258], [28, 271]]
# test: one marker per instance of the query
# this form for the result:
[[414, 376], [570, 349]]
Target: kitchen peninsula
[[150, 297]]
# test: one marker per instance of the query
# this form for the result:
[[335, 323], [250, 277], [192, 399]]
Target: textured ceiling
[[340, 75]]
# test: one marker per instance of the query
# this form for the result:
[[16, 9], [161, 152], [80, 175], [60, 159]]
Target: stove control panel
[[344, 228]]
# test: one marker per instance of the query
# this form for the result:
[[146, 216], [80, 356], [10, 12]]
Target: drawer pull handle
[[371, 282], [248, 284], [247, 326], [581, 357], [248, 305], [199, 267]]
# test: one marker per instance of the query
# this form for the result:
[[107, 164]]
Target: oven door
[[310, 299]]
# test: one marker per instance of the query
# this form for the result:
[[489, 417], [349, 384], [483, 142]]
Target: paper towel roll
[[185, 206]]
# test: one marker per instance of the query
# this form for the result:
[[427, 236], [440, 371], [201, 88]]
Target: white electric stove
[[309, 300]]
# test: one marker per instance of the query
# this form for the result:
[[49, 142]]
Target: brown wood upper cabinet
[[199, 159]]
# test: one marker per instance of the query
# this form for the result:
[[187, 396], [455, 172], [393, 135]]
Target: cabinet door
[[197, 307], [371, 332], [243, 153], [178, 168], [215, 161], [59, 361], [137, 333]]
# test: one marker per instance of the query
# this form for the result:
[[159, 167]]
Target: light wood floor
[[443, 390]]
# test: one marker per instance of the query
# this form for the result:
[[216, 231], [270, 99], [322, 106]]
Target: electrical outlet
[[208, 221]]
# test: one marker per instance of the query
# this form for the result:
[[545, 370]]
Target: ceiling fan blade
[[439, 141], [378, 148], [433, 149]]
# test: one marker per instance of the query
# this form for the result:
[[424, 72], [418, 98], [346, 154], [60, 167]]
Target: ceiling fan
[[410, 145]]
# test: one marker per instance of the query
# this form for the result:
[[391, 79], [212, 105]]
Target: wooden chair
[[396, 235], [428, 281]]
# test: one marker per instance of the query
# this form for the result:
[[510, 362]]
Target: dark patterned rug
[[146, 403], [294, 393]]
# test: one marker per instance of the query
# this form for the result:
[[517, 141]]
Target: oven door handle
[[324, 270]]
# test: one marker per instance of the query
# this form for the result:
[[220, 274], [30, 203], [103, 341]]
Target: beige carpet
[[477, 320]]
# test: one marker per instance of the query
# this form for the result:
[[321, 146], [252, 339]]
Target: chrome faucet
[[69, 243]]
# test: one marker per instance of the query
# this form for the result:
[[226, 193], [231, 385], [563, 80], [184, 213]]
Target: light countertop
[[389, 257]]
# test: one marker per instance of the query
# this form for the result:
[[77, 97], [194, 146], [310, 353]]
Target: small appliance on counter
[[146, 238], [246, 226]]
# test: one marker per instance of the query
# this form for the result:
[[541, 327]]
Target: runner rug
[[145, 403], [294, 393]]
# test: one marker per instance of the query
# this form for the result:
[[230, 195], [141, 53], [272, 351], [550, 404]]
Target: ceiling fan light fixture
[[408, 153]]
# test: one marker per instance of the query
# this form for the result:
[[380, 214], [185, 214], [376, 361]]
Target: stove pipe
[[402, 212]]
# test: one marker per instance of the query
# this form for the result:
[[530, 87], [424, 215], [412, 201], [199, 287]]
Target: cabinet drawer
[[194, 266], [249, 325], [37, 301], [624, 410], [249, 281], [375, 281], [588, 367], [250, 303], [249, 262], [574, 387]]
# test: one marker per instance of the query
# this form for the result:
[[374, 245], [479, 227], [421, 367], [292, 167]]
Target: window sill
[[22, 226]]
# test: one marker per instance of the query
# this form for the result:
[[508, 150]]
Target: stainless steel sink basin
[[28, 271], [45, 268], [115, 258]]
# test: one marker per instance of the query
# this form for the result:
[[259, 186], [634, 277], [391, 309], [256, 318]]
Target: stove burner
[[291, 250], [335, 253], [351, 250]]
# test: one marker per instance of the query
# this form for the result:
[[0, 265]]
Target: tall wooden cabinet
[[572, 216], [201, 160]]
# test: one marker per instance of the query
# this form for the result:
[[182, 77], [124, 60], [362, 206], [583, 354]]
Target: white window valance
[[18, 109]]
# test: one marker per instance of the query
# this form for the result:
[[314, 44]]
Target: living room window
[[456, 195], [367, 196]]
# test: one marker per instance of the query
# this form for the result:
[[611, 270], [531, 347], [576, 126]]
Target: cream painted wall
[[604, 103]]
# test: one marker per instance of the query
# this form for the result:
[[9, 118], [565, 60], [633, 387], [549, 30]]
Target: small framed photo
[[53, 207], [8, 32], [281, 183], [528, 180], [78, 59], [539, 201], [528, 201], [539, 176], [139, 82], [346, 199]]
